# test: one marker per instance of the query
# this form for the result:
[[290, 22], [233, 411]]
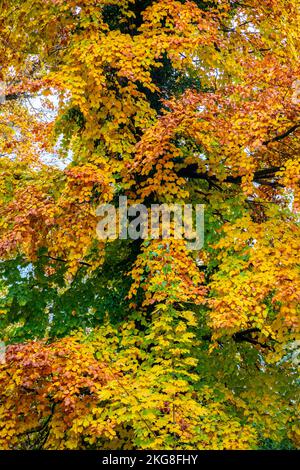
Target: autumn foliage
[[134, 344]]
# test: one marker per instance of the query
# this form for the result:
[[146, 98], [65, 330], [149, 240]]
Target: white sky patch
[[37, 106]]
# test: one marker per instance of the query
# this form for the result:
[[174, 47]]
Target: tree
[[136, 344]]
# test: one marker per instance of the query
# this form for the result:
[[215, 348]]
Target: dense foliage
[[135, 344]]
